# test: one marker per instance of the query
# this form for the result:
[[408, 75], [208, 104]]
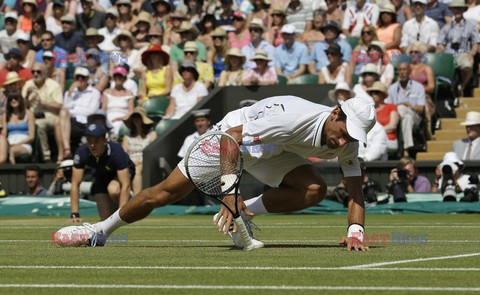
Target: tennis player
[[278, 133]]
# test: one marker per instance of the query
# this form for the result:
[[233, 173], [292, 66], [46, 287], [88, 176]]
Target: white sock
[[256, 206], [110, 224]]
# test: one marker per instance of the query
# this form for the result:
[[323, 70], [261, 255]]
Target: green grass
[[292, 242]]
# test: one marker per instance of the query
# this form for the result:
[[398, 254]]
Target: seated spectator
[[24, 47], [240, 36], [56, 74], [187, 33], [468, 148], [139, 137], [359, 15], [341, 92], [128, 54], [205, 70], [234, 72], [262, 74], [389, 31], [18, 126], [318, 58], [291, 58], [225, 18], [155, 37], [157, 80], [186, 95], [299, 14], [413, 183], [59, 54], [402, 10], [172, 35], [194, 10], [53, 21], [260, 11], [256, 29], [337, 70], [33, 179], [439, 12], [473, 12], [216, 57], [129, 84], [39, 27], [315, 35], [29, 12], [70, 39], [360, 52], [92, 39], [9, 36], [387, 114], [144, 22], [207, 26], [409, 96], [202, 125], [377, 145], [274, 33], [90, 17], [12, 83], [161, 12], [420, 28], [117, 102], [79, 102], [369, 75], [99, 76], [110, 31], [44, 98], [421, 72], [14, 58], [378, 56], [3, 145], [460, 38]]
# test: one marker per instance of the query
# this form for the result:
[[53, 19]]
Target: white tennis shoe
[[81, 235], [235, 236]]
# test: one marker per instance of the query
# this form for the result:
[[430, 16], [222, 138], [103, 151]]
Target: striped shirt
[[463, 34], [300, 16], [355, 19]]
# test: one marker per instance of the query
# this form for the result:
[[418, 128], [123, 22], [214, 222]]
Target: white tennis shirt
[[292, 124]]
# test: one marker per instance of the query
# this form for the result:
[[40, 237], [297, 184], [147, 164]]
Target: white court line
[[362, 266], [261, 226], [228, 241], [233, 287], [242, 268]]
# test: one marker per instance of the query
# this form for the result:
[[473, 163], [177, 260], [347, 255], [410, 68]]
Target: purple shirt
[[422, 185]]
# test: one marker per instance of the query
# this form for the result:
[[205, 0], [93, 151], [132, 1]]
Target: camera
[[370, 190], [342, 195], [397, 190], [456, 46], [402, 174], [470, 195], [66, 166], [449, 187]]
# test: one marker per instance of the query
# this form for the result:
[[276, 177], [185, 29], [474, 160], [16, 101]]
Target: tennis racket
[[214, 164]]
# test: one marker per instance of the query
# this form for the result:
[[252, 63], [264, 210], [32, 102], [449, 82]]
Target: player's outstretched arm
[[356, 216], [77, 176]]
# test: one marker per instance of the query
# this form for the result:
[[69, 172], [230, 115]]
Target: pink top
[[236, 43], [269, 76], [276, 36]]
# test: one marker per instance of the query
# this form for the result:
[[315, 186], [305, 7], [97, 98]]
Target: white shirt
[[354, 19], [186, 144], [53, 27], [107, 43], [293, 125], [376, 145], [360, 92], [9, 41], [473, 14], [81, 104], [129, 84], [474, 145], [185, 101], [427, 31]]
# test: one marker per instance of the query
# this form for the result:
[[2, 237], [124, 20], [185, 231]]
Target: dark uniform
[[105, 167]]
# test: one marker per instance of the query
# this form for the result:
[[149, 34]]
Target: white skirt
[[16, 138]]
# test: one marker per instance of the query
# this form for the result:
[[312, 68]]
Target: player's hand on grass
[[352, 244], [226, 217], [75, 220]]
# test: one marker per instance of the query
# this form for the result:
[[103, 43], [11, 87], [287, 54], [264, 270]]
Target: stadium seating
[[444, 68], [156, 107], [305, 79], [122, 132], [353, 41], [163, 125], [282, 80]]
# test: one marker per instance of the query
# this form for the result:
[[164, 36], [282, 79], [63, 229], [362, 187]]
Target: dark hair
[[144, 130], [49, 33], [18, 96], [380, 21], [35, 168], [40, 19], [341, 115], [207, 18]]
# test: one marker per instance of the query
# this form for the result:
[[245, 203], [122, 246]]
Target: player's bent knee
[[315, 193]]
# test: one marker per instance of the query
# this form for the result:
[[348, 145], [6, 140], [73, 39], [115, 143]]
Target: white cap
[[452, 157], [23, 36], [361, 117], [288, 29], [451, 164], [421, 1], [472, 118], [11, 14], [82, 72], [47, 54]]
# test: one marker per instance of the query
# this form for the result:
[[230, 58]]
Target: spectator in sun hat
[[144, 22], [70, 39], [127, 54], [202, 125], [378, 55], [97, 65], [369, 75], [234, 72], [53, 18], [279, 18], [154, 37], [157, 79], [186, 95], [14, 58], [187, 33], [27, 15], [342, 92], [257, 29], [300, 15], [291, 58], [469, 148], [171, 36], [129, 84], [207, 26], [204, 69], [216, 57], [262, 74], [161, 12], [23, 43], [9, 36], [240, 37], [110, 31], [90, 17], [126, 19]]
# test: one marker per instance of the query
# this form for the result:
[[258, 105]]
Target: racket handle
[[242, 230]]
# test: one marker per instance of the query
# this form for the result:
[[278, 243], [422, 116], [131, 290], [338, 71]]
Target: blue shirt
[[113, 160], [71, 42], [438, 13], [289, 60], [320, 57], [414, 93], [249, 52], [60, 57]]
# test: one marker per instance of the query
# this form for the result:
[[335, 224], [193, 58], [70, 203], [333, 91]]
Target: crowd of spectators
[[63, 61]]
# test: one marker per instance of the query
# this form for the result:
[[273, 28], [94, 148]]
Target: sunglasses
[[47, 58], [47, 40], [123, 4], [80, 77], [256, 30], [375, 92], [110, 16], [66, 23], [332, 53], [36, 72], [190, 53], [218, 37], [277, 14], [123, 38], [367, 33], [13, 56], [118, 76], [22, 41], [17, 98], [154, 36], [238, 19]]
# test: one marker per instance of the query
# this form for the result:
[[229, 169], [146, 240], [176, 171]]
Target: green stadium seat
[[307, 79], [163, 125], [353, 41], [136, 80], [68, 83], [355, 79], [443, 65], [282, 80], [122, 132], [156, 107]]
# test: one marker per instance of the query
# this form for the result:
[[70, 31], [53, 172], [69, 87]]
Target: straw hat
[[190, 46], [260, 55], [278, 10], [378, 86], [472, 118], [339, 86], [144, 16], [458, 3], [93, 32], [186, 27], [388, 7], [152, 49], [68, 18], [33, 2], [128, 2], [11, 78], [257, 24], [234, 52], [179, 13], [369, 68], [139, 111], [126, 34], [219, 32]]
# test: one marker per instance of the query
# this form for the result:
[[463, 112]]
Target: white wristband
[[228, 180], [355, 230]]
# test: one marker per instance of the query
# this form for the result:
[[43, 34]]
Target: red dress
[[383, 117]]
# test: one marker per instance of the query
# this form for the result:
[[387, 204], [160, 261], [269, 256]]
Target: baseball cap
[[361, 117], [288, 29], [23, 36], [120, 70], [113, 11], [239, 14], [81, 71], [95, 130], [452, 157], [201, 113], [11, 14], [421, 1], [58, 2], [47, 54], [68, 18]]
